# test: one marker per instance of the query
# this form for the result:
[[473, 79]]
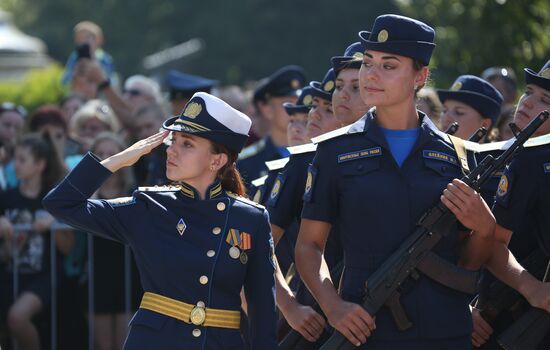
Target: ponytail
[[230, 177]]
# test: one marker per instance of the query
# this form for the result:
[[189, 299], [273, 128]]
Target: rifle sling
[[460, 150], [449, 275]]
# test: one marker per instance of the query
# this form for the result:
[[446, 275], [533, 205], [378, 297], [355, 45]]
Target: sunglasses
[[132, 92], [12, 107]]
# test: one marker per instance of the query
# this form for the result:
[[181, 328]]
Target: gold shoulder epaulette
[[259, 181], [276, 164], [244, 200], [308, 147], [252, 150]]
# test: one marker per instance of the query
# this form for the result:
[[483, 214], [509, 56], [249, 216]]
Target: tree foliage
[[248, 39], [38, 87], [472, 35]]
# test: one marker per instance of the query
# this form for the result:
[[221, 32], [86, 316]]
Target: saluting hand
[[133, 153], [352, 321], [469, 208]]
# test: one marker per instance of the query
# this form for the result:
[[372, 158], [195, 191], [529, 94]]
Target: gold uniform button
[[200, 304], [196, 332], [221, 206], [216, 230], [203, 280], [210, 253]]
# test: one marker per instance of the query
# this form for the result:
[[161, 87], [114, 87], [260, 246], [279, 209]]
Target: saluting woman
[[376, 179], [196, 243]]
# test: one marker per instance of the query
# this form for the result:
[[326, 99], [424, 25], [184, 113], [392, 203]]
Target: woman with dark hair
[[196, 243], [38, 169], [375, 179]]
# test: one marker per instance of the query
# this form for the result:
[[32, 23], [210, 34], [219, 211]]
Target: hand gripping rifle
[[382, 287], [529, 330]]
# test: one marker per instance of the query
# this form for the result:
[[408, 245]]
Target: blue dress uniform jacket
[[356, 181], [522, 202], [182, 249]]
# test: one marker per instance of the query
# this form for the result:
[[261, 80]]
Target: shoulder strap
[[460, 150]]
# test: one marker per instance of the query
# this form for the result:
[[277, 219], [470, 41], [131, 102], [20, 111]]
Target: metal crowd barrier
[[21, 229]]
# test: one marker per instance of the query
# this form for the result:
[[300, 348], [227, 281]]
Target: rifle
[[500, 297], [452, 129], [529, 330], [382, 287], [478, 135]]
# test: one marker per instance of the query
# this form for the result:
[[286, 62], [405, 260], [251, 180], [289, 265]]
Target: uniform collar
[[213, 191], [427, 131]]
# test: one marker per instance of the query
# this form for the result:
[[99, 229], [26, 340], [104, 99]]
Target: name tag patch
[[440, 156], [365, 153]]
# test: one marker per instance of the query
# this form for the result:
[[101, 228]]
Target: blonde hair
[[94, 109], [89, 26]]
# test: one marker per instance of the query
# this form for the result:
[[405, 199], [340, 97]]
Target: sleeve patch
[[276, 190], [504, 189], [258, 194], [310, 183], [546, 168]]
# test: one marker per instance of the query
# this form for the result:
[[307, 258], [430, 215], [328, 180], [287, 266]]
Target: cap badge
[[308, 99], [295, 84], [456, 86], [545, 73], [382, 36], [358, 55], [192, 110], [329, 85]]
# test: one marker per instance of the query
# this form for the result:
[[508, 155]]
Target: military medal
[[244, 258], [234, 252]]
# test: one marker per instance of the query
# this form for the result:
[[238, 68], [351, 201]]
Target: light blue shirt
[[401, 142]]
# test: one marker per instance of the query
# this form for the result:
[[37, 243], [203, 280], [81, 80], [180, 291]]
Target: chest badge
[[181, 226]]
